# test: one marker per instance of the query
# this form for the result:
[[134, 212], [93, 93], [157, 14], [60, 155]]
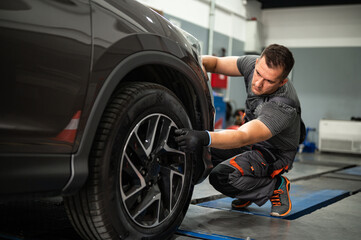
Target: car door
[[45, 62]]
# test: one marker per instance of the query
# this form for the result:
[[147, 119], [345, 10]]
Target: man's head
[[272, 69]]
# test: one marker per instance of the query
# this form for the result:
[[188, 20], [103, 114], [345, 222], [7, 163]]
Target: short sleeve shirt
[[281, 119]]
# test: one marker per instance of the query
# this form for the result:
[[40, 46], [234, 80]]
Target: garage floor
[[325, 194]]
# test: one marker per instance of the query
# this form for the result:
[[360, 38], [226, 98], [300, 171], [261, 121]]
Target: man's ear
[[284, 82]]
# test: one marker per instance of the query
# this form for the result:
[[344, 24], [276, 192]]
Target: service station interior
[[325, 39]]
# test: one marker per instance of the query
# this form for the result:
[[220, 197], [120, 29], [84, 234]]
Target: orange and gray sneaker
[[281, 202], [240, 204]]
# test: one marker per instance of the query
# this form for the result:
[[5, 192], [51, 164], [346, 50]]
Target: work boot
[[240, 204], [281, 202]]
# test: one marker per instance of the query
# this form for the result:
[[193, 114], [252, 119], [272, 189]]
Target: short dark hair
[[279, 56]]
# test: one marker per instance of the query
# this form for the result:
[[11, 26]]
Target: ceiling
[[267, 4]]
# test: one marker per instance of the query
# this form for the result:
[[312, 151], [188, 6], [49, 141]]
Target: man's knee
[[219, 179]]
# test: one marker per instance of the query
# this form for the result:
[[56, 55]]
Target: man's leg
[[219, 155], [244, 177]]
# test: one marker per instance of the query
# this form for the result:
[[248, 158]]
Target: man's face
[[266, 80]]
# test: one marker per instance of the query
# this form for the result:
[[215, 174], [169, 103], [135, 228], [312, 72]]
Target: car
[[91, 93]]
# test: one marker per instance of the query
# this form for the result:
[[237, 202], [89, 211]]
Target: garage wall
[[332, 26], [326, 42], [328, 82], [194, 17]]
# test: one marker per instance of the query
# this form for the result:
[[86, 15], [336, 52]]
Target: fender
[[79, 160]]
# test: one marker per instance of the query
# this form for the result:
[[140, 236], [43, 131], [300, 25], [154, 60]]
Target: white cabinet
[[340, 136]]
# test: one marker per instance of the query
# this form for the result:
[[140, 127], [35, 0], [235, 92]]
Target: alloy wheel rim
[[152, 171]]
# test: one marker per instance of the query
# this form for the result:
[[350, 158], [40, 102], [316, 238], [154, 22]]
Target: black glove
[[189, 140]]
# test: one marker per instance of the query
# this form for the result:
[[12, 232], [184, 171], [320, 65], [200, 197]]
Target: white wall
[[197, 13], [326, 43], [229, 14], [331, 26]]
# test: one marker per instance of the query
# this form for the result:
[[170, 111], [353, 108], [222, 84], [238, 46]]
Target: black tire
[[139, 184]]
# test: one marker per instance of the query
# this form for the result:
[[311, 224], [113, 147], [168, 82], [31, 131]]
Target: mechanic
[[249, 161]]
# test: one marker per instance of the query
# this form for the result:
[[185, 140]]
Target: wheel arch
[[185, 82]]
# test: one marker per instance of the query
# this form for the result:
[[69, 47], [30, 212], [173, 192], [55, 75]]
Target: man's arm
[[251, 132], [222, 65]]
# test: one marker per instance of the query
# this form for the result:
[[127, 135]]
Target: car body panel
[[59, 78], [46, 66]]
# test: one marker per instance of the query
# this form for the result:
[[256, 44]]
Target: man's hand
[[189, 140]]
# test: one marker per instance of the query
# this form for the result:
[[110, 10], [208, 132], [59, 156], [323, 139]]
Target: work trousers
[[243, 175]]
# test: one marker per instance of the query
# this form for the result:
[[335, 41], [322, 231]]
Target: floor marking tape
[[210, 236]]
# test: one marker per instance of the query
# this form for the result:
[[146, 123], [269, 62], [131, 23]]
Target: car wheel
[[139, 184]]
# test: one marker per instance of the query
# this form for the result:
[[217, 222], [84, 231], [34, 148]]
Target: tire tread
[[86, 208]]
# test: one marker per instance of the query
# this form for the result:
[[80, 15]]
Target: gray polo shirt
[[282, 120]]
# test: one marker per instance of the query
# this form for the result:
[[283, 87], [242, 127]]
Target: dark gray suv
[[91, 92]]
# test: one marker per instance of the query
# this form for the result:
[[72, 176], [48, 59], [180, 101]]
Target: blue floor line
[[204, 235], [303, 202]]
